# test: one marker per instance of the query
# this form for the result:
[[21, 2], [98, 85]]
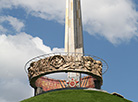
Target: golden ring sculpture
[[65, 62]]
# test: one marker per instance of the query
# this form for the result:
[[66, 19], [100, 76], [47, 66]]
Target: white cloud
[[17, 24], [5, 4], [39, 44], [15, 51], [46, 9], [14, 90], [2, 29], [58, 50], [3, 100], [116, 20]]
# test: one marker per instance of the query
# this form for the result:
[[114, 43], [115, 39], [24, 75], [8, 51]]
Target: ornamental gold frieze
[[65, 63]]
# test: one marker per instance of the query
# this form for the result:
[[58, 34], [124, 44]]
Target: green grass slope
[[76, 96]]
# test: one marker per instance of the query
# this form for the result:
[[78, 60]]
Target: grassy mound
[[76, 96]]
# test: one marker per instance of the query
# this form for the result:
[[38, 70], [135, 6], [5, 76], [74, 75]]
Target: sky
[[29, 28]]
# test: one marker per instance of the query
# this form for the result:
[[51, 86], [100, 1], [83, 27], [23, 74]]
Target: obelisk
[[73, 31], [73, 27]]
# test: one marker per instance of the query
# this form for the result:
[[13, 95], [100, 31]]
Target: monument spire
[[73, 33], [73, 27]]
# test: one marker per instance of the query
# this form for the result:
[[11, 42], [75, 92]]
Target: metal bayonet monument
[[73, 27], [73, 61], [73, 33]]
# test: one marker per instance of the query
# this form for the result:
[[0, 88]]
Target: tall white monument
[[73, 62], [73, 33], [73, 27]]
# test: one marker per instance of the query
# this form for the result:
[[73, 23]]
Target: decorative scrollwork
[[65, 63], [46, 64], [98, 65], [88, 62], [57, 61]]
